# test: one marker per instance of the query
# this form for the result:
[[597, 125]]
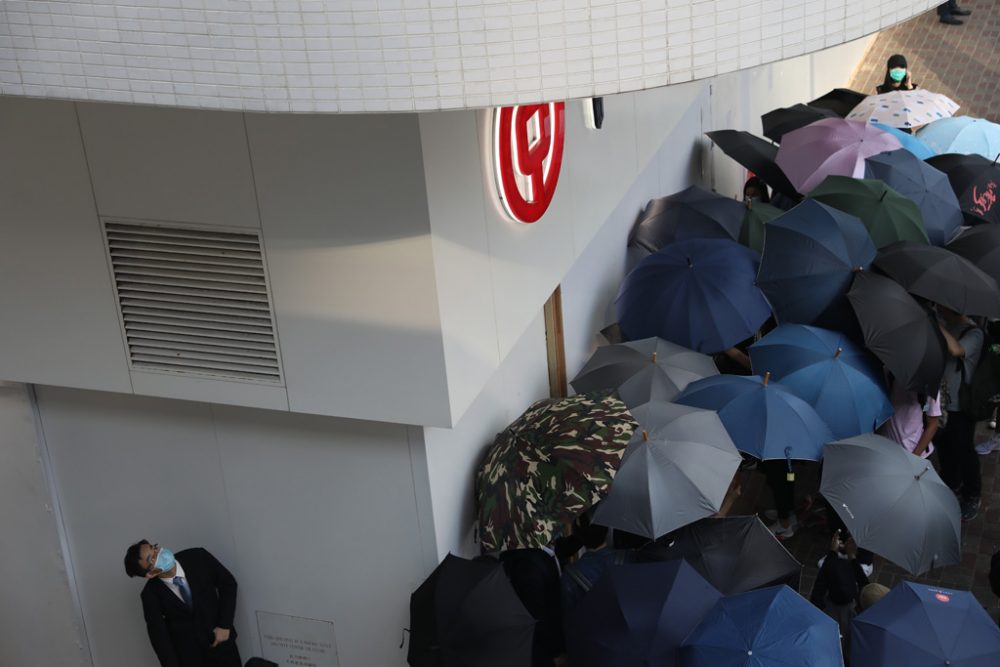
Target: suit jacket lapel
[[169, 595]]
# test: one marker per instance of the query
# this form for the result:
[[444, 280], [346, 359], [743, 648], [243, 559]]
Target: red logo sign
[[528, 147], [941, 597]]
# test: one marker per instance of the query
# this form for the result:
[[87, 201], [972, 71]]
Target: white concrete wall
[[404, 55], [339, 202], [316, 517], [39, 623]]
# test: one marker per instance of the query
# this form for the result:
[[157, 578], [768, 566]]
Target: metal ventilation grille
[[193, 301]]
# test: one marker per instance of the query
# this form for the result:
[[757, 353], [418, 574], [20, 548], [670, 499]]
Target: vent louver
[[193, 301]]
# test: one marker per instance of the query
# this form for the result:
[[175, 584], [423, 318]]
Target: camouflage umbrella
[[552, 463]]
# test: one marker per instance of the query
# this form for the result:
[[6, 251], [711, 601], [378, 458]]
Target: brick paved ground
[[962, 62]]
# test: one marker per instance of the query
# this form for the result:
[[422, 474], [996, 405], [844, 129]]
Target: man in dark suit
[[188, 603]]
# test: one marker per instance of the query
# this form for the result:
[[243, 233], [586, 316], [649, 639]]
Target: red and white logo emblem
[[941, 597], [527, 152]]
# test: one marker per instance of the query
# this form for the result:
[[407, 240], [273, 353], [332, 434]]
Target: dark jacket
[[839, 579], [182, 635]]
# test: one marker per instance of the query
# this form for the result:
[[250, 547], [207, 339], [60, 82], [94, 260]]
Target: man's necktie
[[185, 591]]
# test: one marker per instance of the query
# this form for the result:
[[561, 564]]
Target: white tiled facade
[[403, 55]]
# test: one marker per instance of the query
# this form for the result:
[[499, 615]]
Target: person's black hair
[[593, 536], [132, 555], [757, 182], [897, 60]]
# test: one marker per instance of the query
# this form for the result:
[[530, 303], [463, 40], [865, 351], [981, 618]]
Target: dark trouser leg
[[947, 8], [947, 443], [783, 490], [224, 655], [968, 460]]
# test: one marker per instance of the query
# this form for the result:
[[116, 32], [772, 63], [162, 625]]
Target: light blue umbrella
[[767, 627], [915, 624], [909, 141], [810, 256], [699, 293], [841, 380], [764, 419], [925, 186], [962, 134]]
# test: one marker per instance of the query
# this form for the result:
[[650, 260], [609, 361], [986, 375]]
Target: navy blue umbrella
[[810, 256], [926, 186], [765, 628], [638, 614], [763, 418], [834, 375], [698, 293], [916, 625], [691, 213]]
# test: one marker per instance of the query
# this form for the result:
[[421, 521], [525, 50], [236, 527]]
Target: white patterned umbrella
[[904, 108]]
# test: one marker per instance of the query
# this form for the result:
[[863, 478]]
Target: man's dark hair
[[132, 555], [593, 536]]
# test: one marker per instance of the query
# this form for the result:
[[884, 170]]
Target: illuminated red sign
[[528, 148]]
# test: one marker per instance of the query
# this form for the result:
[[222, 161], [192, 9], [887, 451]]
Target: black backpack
[[979, 395]]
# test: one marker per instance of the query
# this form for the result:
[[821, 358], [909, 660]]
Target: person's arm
[[156, 628], [225, 584], [859, 573], [739, 356], [930, 429], [821, 586], [955, 348]]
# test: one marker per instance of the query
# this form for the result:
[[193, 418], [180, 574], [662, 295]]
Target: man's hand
[[852, 548], [221, 635]]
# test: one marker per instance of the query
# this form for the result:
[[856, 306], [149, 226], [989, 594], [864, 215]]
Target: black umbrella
[[940, 276], [779, 122], [976, 182], [734, 554], [466, 613], [840, 101], [691, 213], [981, 246], [757, 155], [899, 331]]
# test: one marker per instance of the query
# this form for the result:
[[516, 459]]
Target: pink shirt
[[907, 423]]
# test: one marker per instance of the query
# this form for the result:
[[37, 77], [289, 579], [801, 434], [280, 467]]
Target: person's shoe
[[951, 20], [987, 446], [970, 509], [961, 12], [781, 532]]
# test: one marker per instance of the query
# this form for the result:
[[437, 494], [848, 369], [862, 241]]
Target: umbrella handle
[[924, 472], [402, 638]]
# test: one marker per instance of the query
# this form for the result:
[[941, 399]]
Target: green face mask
[[897, 74]]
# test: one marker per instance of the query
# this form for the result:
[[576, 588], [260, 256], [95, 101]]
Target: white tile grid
[[403, 55]]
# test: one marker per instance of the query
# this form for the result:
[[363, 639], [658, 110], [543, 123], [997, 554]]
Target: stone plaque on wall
[[293, 641]]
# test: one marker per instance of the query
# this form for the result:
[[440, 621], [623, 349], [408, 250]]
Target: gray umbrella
[[643, 370], [676, 469], [892, 502]]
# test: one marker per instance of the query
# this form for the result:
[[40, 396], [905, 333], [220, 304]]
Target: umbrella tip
[[690, 263], [767, 377], [884, 193], [654, 357], [859, 269], [645, 436], [838, 352], [995, 159]]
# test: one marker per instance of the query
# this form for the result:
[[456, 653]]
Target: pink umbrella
[[831, 146]]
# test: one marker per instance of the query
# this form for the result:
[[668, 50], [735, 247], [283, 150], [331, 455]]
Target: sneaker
[[781, 532], [987, 446], [970, 509]]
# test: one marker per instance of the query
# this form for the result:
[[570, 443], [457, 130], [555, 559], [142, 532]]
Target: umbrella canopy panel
[[915, 624], [839, 100], [467, 613], [688, 214], [698, 293], [925, 186], [638, 614], [904, 108], [764, 628], [899, 331], [735, 554], [963, 134], [888, 216], [975, 181], [981, 246], [779, 122], [552, 463], [892, 502], [757, 155], [941, 276], [676, 470]]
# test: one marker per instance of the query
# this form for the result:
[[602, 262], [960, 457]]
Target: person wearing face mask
[[189, 601], [897, 76]]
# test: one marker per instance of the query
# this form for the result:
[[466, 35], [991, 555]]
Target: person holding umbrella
[[956, 447], [915, 419], [839, 582]]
